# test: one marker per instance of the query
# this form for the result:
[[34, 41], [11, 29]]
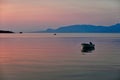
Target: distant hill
[[3, 31], [84, 29]]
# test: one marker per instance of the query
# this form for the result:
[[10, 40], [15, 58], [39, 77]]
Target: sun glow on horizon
[[54, 13]]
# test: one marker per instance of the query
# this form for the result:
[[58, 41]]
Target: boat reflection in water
[[88, 47]]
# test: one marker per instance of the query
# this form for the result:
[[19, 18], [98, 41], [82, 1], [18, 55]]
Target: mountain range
[[84, 29]]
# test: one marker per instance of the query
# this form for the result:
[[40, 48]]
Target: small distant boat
[[20, 32], [87, 47], [54, 34]]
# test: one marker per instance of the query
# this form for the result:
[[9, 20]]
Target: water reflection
[[87, 50], [30, 57]]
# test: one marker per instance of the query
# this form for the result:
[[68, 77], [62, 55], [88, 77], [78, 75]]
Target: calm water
[[59, 57]]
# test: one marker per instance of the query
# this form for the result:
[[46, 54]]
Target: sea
[[45, 56]]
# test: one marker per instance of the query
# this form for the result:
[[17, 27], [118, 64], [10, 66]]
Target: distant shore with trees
[[4, 31]]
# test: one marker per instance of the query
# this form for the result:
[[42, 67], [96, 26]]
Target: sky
[[34, 15]]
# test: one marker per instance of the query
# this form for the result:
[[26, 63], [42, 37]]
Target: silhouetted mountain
[[85, 29], [3, 31]]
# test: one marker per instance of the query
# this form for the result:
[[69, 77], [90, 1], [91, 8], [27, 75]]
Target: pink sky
[[31, 15]]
